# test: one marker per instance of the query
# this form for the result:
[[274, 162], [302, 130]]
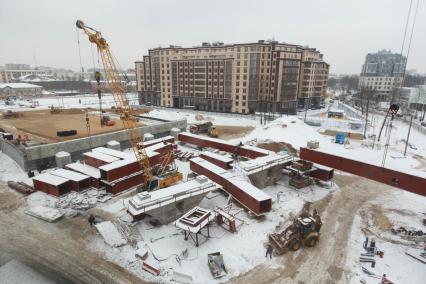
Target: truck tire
[[311, 241], [295, 245]]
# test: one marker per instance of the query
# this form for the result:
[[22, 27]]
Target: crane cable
[[82, 71]]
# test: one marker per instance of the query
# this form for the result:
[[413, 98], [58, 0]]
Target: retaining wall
[[43, 156]]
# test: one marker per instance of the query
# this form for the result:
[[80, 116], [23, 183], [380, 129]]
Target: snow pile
[[9, 170], [45, 213], [401, 208], [242, 250], [200, 116], [110, 234]]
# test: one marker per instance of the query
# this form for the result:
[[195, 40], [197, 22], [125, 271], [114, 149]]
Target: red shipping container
[[51, 184], [96, 159], [78, 181], [125, 183]]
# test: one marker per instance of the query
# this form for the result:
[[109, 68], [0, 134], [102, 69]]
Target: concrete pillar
[[148, 137], [114, 145], [62, 158], [175, 132]]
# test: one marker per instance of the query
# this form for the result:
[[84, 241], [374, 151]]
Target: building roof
[[18, 86], [85, 169], [117, 164], [72, 175], [112, 152], [50, 179], [219, 157], [101, 156]]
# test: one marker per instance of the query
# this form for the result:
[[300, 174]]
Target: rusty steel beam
[[390, 177]]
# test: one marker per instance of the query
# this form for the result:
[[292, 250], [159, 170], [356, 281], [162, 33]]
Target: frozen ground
[[348, 212]]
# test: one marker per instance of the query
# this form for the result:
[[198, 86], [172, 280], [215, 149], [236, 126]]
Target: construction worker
[[269, 250], [91, 219]]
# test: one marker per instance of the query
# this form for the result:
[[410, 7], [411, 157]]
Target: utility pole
[[366, 114], [306, 109], [408, 135]]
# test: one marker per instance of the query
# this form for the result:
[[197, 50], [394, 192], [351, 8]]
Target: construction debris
[[417, 254], [21, 187], [150, 268], [181, 277], [110, 234], [44, 213], [216, 265], [83, 200], [193, 222]]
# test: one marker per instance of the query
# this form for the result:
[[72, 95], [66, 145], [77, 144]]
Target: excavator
[[303, 231], [123, 107]]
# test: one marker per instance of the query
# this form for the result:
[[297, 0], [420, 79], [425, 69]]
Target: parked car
[[423, 124]]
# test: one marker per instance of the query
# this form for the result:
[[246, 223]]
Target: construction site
[[123, 193]]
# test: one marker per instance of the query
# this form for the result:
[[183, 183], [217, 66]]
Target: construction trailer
[[78, 181], [119, 169], [322, 173], [222, 145], [249, 196], [124, 183], [113, 153], [168, 204], [92, 172], [223, 161], [162, 148], [168, 139], [51, 184], [96, 159]]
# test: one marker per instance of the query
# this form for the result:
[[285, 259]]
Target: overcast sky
[[44, 32]]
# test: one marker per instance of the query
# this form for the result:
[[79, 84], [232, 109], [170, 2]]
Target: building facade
[[381, 73], [5, 77], [243, 78], [19, 90]]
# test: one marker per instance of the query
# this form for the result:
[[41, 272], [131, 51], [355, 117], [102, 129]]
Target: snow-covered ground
[[293, 130], [80, 101], [244, 250], [401, 209]]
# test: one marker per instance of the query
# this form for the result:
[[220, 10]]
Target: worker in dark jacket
[[269, 250], [91, 219]]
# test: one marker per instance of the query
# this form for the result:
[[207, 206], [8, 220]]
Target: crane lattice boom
[[118, 91]]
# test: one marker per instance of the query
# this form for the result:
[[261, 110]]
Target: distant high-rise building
[[244, 78], [381, 73], [16, 66]]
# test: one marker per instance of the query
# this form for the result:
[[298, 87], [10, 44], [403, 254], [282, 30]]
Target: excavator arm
[[119, 93]]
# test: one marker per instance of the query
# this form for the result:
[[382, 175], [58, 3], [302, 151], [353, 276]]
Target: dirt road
[[57, 250], [324, 263]]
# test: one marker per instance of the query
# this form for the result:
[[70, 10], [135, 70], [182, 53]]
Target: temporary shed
[[78, 181], [96, 159], [92, 172], [51, 184]]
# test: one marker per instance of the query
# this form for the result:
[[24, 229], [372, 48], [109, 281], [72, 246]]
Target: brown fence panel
[[394, 178]]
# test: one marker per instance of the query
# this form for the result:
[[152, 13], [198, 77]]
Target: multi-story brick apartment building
[[244, 78]]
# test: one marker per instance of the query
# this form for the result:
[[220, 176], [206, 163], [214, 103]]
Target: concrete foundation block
[[175, 132], [62, 158], [266, 177], [148, 137], [115, 145]]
